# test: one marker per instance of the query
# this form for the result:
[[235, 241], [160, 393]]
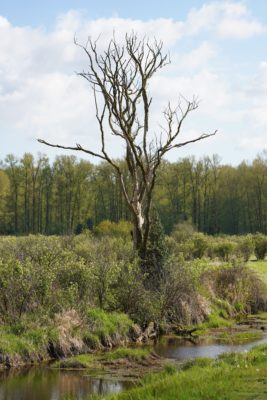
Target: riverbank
[[233, 376], [69, 335], [121, 369]]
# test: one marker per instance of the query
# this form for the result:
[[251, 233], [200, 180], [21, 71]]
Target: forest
[[70, 194]]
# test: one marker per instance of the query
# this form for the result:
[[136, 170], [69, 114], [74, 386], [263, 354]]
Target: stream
[[44, 383]]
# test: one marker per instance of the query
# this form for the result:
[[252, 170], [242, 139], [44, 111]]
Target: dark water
[[48, 384], [181, 349], [44, 383]]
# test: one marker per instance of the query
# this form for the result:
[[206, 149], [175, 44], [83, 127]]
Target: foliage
[[180, 298], [104, 324], [237, 285], [246, 247], [99, 278], [224, 249], [108, 228], [156, 253], [182, 232], [38, 196], [200, 245], [260, 246]]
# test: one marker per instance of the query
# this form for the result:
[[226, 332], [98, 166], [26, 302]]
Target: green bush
[[183, 232], [224, 249], [120, 229], [260, 242], [200, 245], [245, 247], [237, 285]]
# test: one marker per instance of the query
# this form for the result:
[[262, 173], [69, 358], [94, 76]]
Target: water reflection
[[47, 384], [181, 349]]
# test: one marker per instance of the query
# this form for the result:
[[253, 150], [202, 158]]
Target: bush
[[200, 245], [133, 298], [120, 229], [245, 247], [260, 242], [237, 285], [181, 302], [183, 232], [224, 249]]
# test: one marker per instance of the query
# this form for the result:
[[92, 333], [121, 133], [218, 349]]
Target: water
[[44, 383], [49, 384], [181, 349]]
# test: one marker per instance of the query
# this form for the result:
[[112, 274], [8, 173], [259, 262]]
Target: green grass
[[103, 324], [239, 337], [76, 362], [128, 353], [260, 267], [95, 360], [214, 321], [260, 315], [240, 376], [23, 343]]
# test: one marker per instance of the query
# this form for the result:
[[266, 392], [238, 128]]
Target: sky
[[218, 53]]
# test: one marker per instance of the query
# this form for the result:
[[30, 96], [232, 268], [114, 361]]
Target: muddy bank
[[72, 338]]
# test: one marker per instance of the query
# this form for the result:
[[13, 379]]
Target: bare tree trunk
[[119, 78]]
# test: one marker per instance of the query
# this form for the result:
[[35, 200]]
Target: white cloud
[[40, 95], [199, 57], [226, 19], [240, 28]]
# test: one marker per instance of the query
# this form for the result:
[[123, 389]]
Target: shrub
[[108, 228], [200, 245], [260, 242], [133, 298], [245, 247], [224, 249], [180, 301], [182, 232], [237, 285], [156, 253]]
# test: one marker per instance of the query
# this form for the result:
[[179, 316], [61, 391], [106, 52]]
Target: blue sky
[[36, 13], [218, 51], [44, 13]]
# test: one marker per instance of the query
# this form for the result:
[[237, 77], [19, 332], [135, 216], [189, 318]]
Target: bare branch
[[119, 78], [201, 137], [78, 147]]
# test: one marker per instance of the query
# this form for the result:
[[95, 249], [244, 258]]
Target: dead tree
[[119, 79]]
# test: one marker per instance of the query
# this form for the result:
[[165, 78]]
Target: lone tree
[[119, 78]]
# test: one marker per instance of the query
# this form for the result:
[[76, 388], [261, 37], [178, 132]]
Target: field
[[260, 267]]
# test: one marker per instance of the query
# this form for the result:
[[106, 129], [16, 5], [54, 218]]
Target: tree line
[[69, 194]]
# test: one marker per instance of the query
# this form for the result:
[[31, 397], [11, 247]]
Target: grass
[[25, 343], [241, 376], [128, 353], [76, 362], [260, 315], [94, 360], [260, 267], [239, 337], [214, 321], [103, 324]]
